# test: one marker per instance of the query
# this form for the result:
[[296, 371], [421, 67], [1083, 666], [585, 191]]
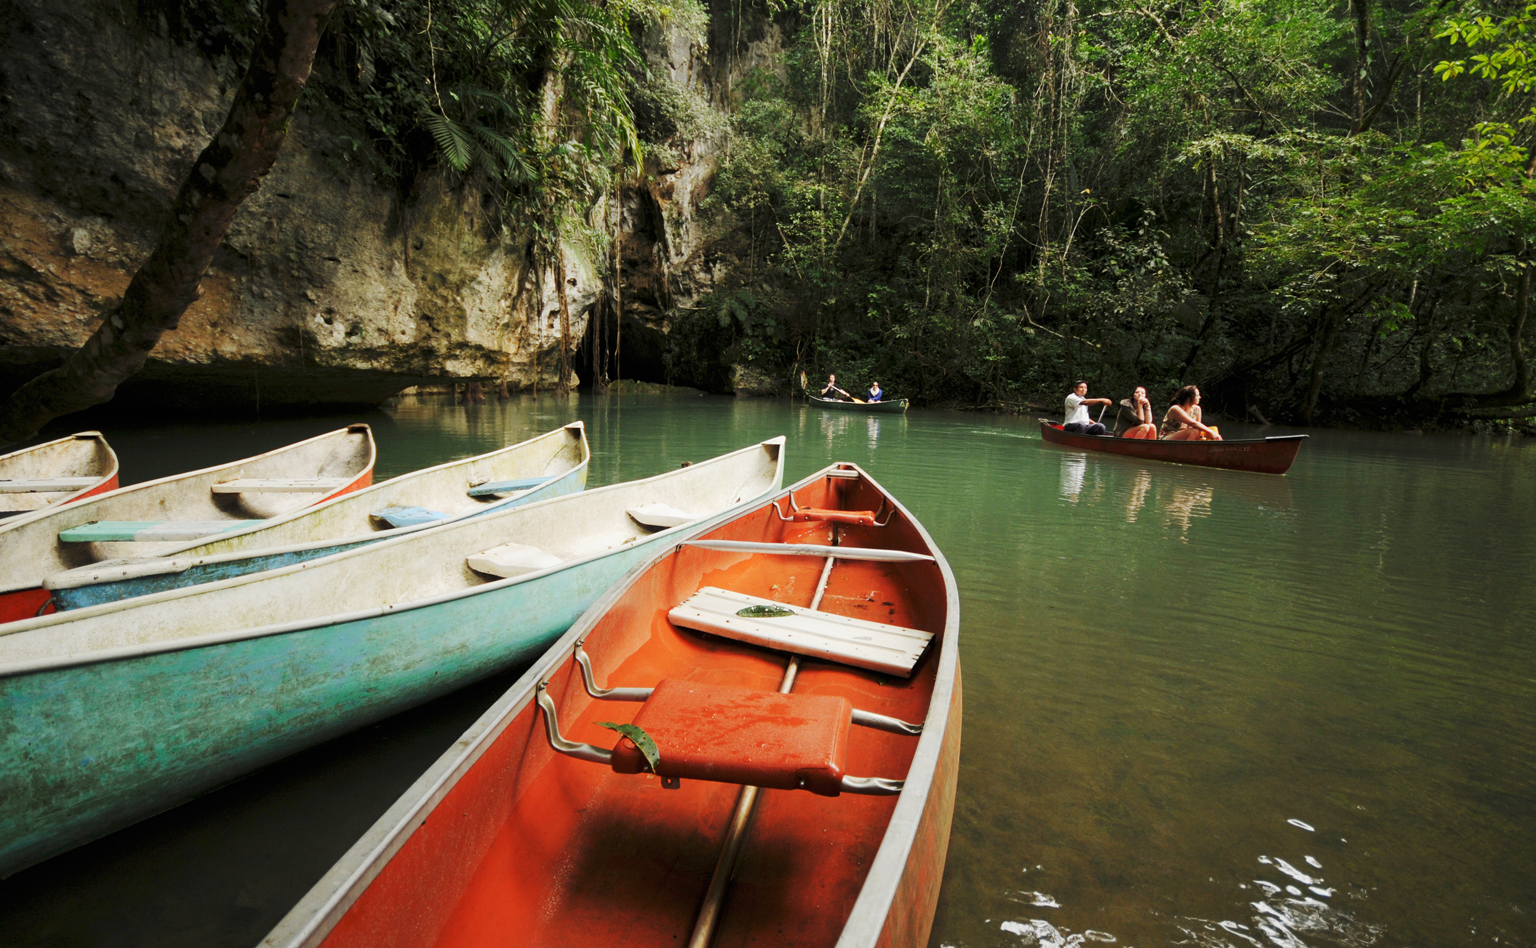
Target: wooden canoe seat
[[280, 485], [408, 516], [140, 531], [857, 518], [737, 735], [45, 485], [490, 488], [874, 645]]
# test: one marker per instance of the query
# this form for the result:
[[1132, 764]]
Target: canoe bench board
[[138, 531], [858, 642]]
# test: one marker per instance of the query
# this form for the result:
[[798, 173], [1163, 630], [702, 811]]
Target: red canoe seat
[[737, 735], [858, 518]]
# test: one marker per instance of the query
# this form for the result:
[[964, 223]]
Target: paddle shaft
[[746, 804]]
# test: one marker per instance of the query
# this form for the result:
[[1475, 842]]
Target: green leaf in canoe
[[642, 740], [764, 612]]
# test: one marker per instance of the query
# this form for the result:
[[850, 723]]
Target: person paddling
[[1183, 420], [1077, 420], [832, 387]]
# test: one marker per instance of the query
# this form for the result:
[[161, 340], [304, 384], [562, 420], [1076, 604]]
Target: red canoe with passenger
[[796, 667], [1257, 455]]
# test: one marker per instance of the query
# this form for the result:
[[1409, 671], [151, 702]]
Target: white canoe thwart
[[279, 485], [812, 549], [857, 642], [43, 485], [512, 559], [659, 516]]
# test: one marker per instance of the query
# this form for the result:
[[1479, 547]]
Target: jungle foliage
[[1320, 210]]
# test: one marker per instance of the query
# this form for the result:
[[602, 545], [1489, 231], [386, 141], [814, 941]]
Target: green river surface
[[1201, 707]]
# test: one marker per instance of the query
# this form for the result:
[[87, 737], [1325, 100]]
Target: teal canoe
[[550, 465], [116, 712]]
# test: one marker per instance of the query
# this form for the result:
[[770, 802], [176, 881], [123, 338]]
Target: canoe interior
[[532, 848], [558, 459], [32, 549], [81, 455], [399, 573], [1256, 455]]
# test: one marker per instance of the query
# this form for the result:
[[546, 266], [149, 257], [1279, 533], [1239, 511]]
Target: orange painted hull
[[505, 842], [1257, 456]]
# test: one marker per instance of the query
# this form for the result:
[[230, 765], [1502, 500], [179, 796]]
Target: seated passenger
[[875, 393], [1077, 420], [1182, 423], [1135, 417]]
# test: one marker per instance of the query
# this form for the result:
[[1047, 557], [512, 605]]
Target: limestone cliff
[[329, 289]]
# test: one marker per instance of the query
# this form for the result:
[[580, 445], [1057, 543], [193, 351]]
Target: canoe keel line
[[1257, 456], [744, 839]]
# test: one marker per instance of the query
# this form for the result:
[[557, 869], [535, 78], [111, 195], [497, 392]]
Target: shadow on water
[[1202, 707]]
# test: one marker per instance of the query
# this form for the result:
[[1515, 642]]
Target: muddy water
[[1201, 708]]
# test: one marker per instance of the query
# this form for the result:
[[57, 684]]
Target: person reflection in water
[[1135, 417], [1182, 423]]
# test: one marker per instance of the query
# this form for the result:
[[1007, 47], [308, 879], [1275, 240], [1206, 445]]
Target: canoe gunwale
[[120, 653], [313, 918]]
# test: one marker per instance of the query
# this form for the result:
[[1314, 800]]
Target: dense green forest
[[1318, 211]]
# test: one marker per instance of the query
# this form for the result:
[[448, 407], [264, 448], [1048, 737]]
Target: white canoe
[[56, 472], [550, 465]]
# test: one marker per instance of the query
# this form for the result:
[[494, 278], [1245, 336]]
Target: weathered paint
[[113, 713], [345, 523], [259, 561], [90, 749]]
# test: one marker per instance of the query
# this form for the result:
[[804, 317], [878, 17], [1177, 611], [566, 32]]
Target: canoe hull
[[143, 734], [32, 550], [895, 406], [501, 835], [1257, 456], [346, 522]]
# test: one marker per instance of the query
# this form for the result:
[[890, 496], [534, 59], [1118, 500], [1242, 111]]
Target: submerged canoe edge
[[897, 900]]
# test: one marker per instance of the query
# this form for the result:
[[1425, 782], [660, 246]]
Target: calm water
[[1201, 708]]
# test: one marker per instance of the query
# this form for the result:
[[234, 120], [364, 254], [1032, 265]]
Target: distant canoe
[[551, 465], [505, 841], [895, 406], [114, 713], [58, 472], [144, 519], [1258, 455]]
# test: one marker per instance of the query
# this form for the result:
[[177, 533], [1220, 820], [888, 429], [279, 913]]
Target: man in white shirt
[[1077, 420]]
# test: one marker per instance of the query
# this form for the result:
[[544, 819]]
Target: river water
[[1201, 707]]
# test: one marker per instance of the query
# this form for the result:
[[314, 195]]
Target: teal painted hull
[[89, 749], [81, 597]]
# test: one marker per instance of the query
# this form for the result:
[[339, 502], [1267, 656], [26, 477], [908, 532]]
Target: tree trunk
[[228, 171], [564, 388], [1362, 52], [1315, 384]]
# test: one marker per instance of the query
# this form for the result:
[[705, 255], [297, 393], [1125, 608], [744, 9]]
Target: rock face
[[329, 289]]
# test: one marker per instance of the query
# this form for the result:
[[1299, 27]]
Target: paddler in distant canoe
[[832, 387], [1077, 420]]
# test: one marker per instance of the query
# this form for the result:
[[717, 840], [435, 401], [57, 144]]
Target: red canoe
[[57, 472], [525, 834], [1257, 455]]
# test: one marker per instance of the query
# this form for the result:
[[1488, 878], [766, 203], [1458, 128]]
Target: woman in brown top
[[1135, 419], [1182, 423]]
